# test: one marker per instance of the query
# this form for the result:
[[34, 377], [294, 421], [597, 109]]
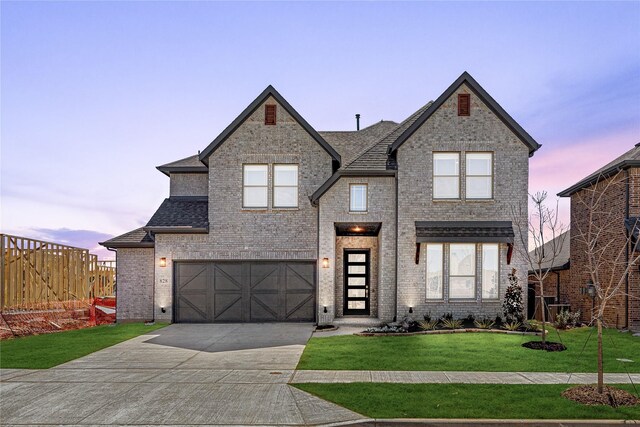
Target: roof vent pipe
[[357, 121]]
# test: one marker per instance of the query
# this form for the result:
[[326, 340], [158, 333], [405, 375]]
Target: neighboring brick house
[[619, 208], [274, 221]]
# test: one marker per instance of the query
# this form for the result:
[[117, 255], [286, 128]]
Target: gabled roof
[[181, 214], [485, 97], [191, 164], [561, 261], [375, 157], [137, 238], [628, 160], [269, 91]]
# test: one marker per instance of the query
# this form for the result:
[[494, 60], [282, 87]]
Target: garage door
[[245, 291]]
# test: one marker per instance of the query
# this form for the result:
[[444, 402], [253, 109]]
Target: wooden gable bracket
[[509, 252], [417, 253]]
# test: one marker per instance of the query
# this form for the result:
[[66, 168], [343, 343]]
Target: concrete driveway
[[183, 374]]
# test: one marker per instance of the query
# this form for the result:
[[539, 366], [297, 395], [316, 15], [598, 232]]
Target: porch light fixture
[[325, 309], [357, 229], [325, 264], [410, 309], [162, 309], [591, 289], [163, 262]]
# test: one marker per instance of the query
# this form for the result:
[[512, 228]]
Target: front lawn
[[470, 352], [45, 351], [492, 401]]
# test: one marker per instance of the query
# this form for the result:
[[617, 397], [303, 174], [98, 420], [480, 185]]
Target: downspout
[[557, 287], [627, 255], [318, 267], [395, 294]]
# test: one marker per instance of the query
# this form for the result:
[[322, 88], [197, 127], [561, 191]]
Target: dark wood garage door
[[244, 291]]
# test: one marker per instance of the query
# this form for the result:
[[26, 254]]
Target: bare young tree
[[610, 250], [542, 230]]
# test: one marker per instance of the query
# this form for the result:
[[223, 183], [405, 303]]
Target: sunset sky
[[94, 95]]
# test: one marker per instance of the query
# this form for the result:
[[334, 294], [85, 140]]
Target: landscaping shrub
[[484, 323], [532, 325], [451, 323], [566, 319], [512, 326], [512, 306], [427, 325]]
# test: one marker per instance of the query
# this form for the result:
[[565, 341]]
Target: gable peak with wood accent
[[270, 96]]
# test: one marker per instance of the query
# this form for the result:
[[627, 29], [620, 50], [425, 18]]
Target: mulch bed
[[588, 395], [326, 328], [548, 346], [444, 331]]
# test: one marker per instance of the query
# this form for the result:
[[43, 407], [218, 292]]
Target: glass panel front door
[[356, 281]]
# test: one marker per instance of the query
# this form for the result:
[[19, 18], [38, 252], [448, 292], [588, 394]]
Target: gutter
[[186, 229]]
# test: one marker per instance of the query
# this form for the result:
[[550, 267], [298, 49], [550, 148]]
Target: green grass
[[470, 352], [45, 351], [493, 401]]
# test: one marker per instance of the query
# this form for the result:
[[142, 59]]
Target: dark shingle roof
[[186, 214], [561, 262], [188, 164], [137, 238], [464, 231], [375, 156], [629, 159], [350, 144]]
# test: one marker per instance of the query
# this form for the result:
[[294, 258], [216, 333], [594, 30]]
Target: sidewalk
[[461, 377]]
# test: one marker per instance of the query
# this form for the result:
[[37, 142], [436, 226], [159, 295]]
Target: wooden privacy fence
[[35, 273]]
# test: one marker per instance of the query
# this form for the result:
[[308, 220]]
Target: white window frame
[[474, 269], [245, 186], [468, 175], [366, 198], [484, 271], [277, 186], [435, 177], [440, 263]]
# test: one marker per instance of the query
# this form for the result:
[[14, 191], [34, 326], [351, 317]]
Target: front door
[[356, 281]]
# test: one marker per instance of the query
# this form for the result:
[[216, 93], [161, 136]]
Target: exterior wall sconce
[[162, 309], [591, 289], [325, 264], [410, 309], [325, 309], [163, 262]]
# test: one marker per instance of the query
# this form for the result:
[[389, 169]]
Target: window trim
[[366, 197], [244, 185], [467, 176], [274, 186], [426, 272], [475, 273], [434, 176], [482, 273]]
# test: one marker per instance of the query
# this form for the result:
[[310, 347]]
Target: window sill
[[463, 300], [359, 212], [463, 200], [285, 209]]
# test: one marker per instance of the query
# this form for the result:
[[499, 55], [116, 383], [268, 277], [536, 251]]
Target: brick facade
[[613, 207], [188, 184], [134, 284], [446, 131]]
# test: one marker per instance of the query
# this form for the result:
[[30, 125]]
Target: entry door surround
[[357, 278]]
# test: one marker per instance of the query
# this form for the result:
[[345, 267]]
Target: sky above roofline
[[94, 95]]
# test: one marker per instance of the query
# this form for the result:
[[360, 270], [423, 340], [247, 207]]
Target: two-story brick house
[[274, 221]]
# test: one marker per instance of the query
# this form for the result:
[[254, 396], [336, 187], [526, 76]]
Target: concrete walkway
[[181, 374], [459, 377]]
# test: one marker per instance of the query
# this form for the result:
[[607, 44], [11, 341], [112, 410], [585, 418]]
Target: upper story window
[[462, 270], [446, 175], [358, 197], [464, 104], [479, 175], [255, 182], [270, 114], [285, 186]]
